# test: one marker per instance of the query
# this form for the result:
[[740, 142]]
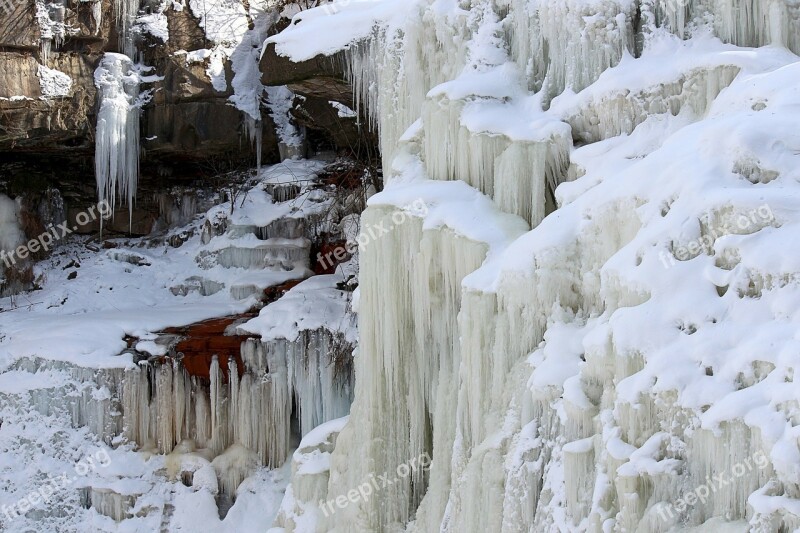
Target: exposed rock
[[31, 121], [325, 103], [320, 77], [186, 118]]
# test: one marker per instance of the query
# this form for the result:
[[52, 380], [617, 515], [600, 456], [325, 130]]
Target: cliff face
[[186, 119], [324, 99]]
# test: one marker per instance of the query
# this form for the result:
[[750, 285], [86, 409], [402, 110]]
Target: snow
[[313, 304], [308, 34], [155, 24], [53, 82]]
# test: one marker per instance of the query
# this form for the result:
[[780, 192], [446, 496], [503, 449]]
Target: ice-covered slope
[[626, 364]]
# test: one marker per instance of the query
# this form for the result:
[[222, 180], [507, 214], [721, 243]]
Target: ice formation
[[50, 18], [555, 375], [117, 144], [10, 233], [125, 12]]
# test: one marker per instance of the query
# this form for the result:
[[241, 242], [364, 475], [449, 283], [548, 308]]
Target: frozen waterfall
[[117, 136]]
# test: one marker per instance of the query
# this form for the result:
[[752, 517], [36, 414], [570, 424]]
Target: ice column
[[117, 136]]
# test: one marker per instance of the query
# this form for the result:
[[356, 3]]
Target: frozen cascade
[[125, 15], [407, 408], [392, 71], [568, 44], [242, 418], [117, 136], [569, 408]]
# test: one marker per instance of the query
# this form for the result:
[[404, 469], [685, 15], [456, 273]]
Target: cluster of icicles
[[165, 410], [435, 357], [117, 133]]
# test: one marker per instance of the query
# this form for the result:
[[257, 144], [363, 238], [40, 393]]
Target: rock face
[[325, 98], [186, 117], [190, 129]]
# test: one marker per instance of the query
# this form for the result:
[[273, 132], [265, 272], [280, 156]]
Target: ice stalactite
[[520, 173], [89, 397], [164, 406], [392, 72], [320, 373], [759, 23], [408, 365], [117, 136], [107, 502], [602, 116], [241, 418], [569, 44], [741, 22], [255, 134], [125, 16]]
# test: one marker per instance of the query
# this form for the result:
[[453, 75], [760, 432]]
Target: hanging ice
[[125, 15], [117, 136]]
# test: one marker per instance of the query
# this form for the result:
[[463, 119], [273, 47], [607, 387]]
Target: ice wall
[[594, 372]]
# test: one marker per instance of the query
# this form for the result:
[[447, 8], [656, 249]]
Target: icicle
[[218, 419], [165, 436], [97, 15], [117, 136], [233, 401], [125, 15], [44, 47], [180, 400], [203, 428], [253, 130], [570, 43], [392, 72]]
